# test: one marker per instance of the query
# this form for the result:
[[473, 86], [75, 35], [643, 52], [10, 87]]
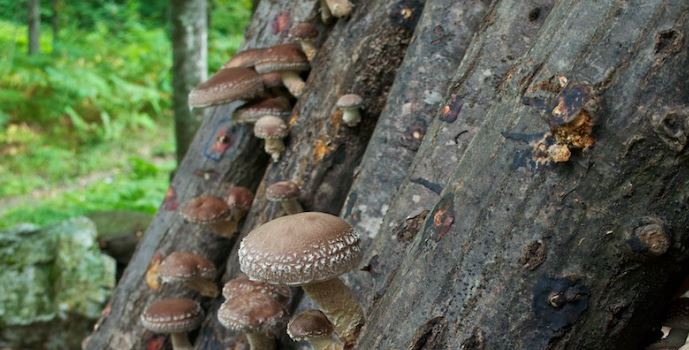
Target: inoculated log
[[521, 252]]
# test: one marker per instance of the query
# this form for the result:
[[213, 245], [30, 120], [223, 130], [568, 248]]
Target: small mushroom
[[309, 250], [339, 8], [193, 271], [312, 326], [678, 321], [209, 211], [350, 104], [276, 106], [256, 314], [272, 129], [306, 33], [288, 60], [175, 317], [287, 194], [226, 86], [243, 285], [326, 15], [239, 200]]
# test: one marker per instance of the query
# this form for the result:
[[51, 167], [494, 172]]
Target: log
[[361, 55], [519, 253], [211, 165], [472, 89]]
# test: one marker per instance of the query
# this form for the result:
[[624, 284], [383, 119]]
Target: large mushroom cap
[[679, 314], [172, 316], [270, 127], [309, 324], [285, 57], [252, 312], [277, 106], [300, 249], [205, 209], [350, 101], [226, 86], [243, 285], [304, 30], [246, 58], [283, 190], [240, 198], [180, 266]]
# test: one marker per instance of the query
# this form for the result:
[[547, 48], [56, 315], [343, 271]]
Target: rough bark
[[360, 55], [209, 167], [523, 255], [189, 66], [505, 35], [34, 24]]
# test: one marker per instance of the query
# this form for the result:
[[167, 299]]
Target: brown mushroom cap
[[300, 249], [350, 101], [270, 127], [283, 190], [225, 86], [246, 58], [252, 312], [285, 57], [309, 324], [172, 316], [243, 285], [304, 30], [205, 209], [240, 198], [181, 266], [679, 314], [277, 106]]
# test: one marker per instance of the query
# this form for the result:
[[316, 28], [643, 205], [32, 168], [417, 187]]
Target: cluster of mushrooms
[[300, 249]]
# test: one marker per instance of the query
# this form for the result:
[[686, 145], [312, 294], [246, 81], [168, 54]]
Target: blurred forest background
[[86, 122]]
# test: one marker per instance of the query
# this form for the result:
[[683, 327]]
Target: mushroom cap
[[205, 209], [172, 316], [285, 57], [300, 249], [240, 198], [679, 314], [181, 266], [309, 324], [304, 30], [350, 101], [246, 58], [243, 285], [276, 106], [270, 127], [252, 312], [225, 86], [281, 191]]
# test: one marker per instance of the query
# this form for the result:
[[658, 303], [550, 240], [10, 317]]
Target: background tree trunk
[[189, 66], [34, 24], [55, 23]]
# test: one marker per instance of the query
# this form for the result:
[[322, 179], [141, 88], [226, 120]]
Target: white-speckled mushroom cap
[[270, 127], [182, 266], [350, 101], [300, 249], [282, 190], [172, 316], [309, 324], [252, 312]]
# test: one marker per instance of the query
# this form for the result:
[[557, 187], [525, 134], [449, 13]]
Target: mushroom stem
[[339, 8], [338, 303], [260, 341], [224, 228], [292, 207], [309, 48], [676, 338], [274, 147], [180, 341], [293, 83], [204, 287], [326, 15], [325, 343], [351, 116]]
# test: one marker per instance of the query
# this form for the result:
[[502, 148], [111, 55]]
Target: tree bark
[[518, 254], [34, 24], [360, 55], [189, 66]]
